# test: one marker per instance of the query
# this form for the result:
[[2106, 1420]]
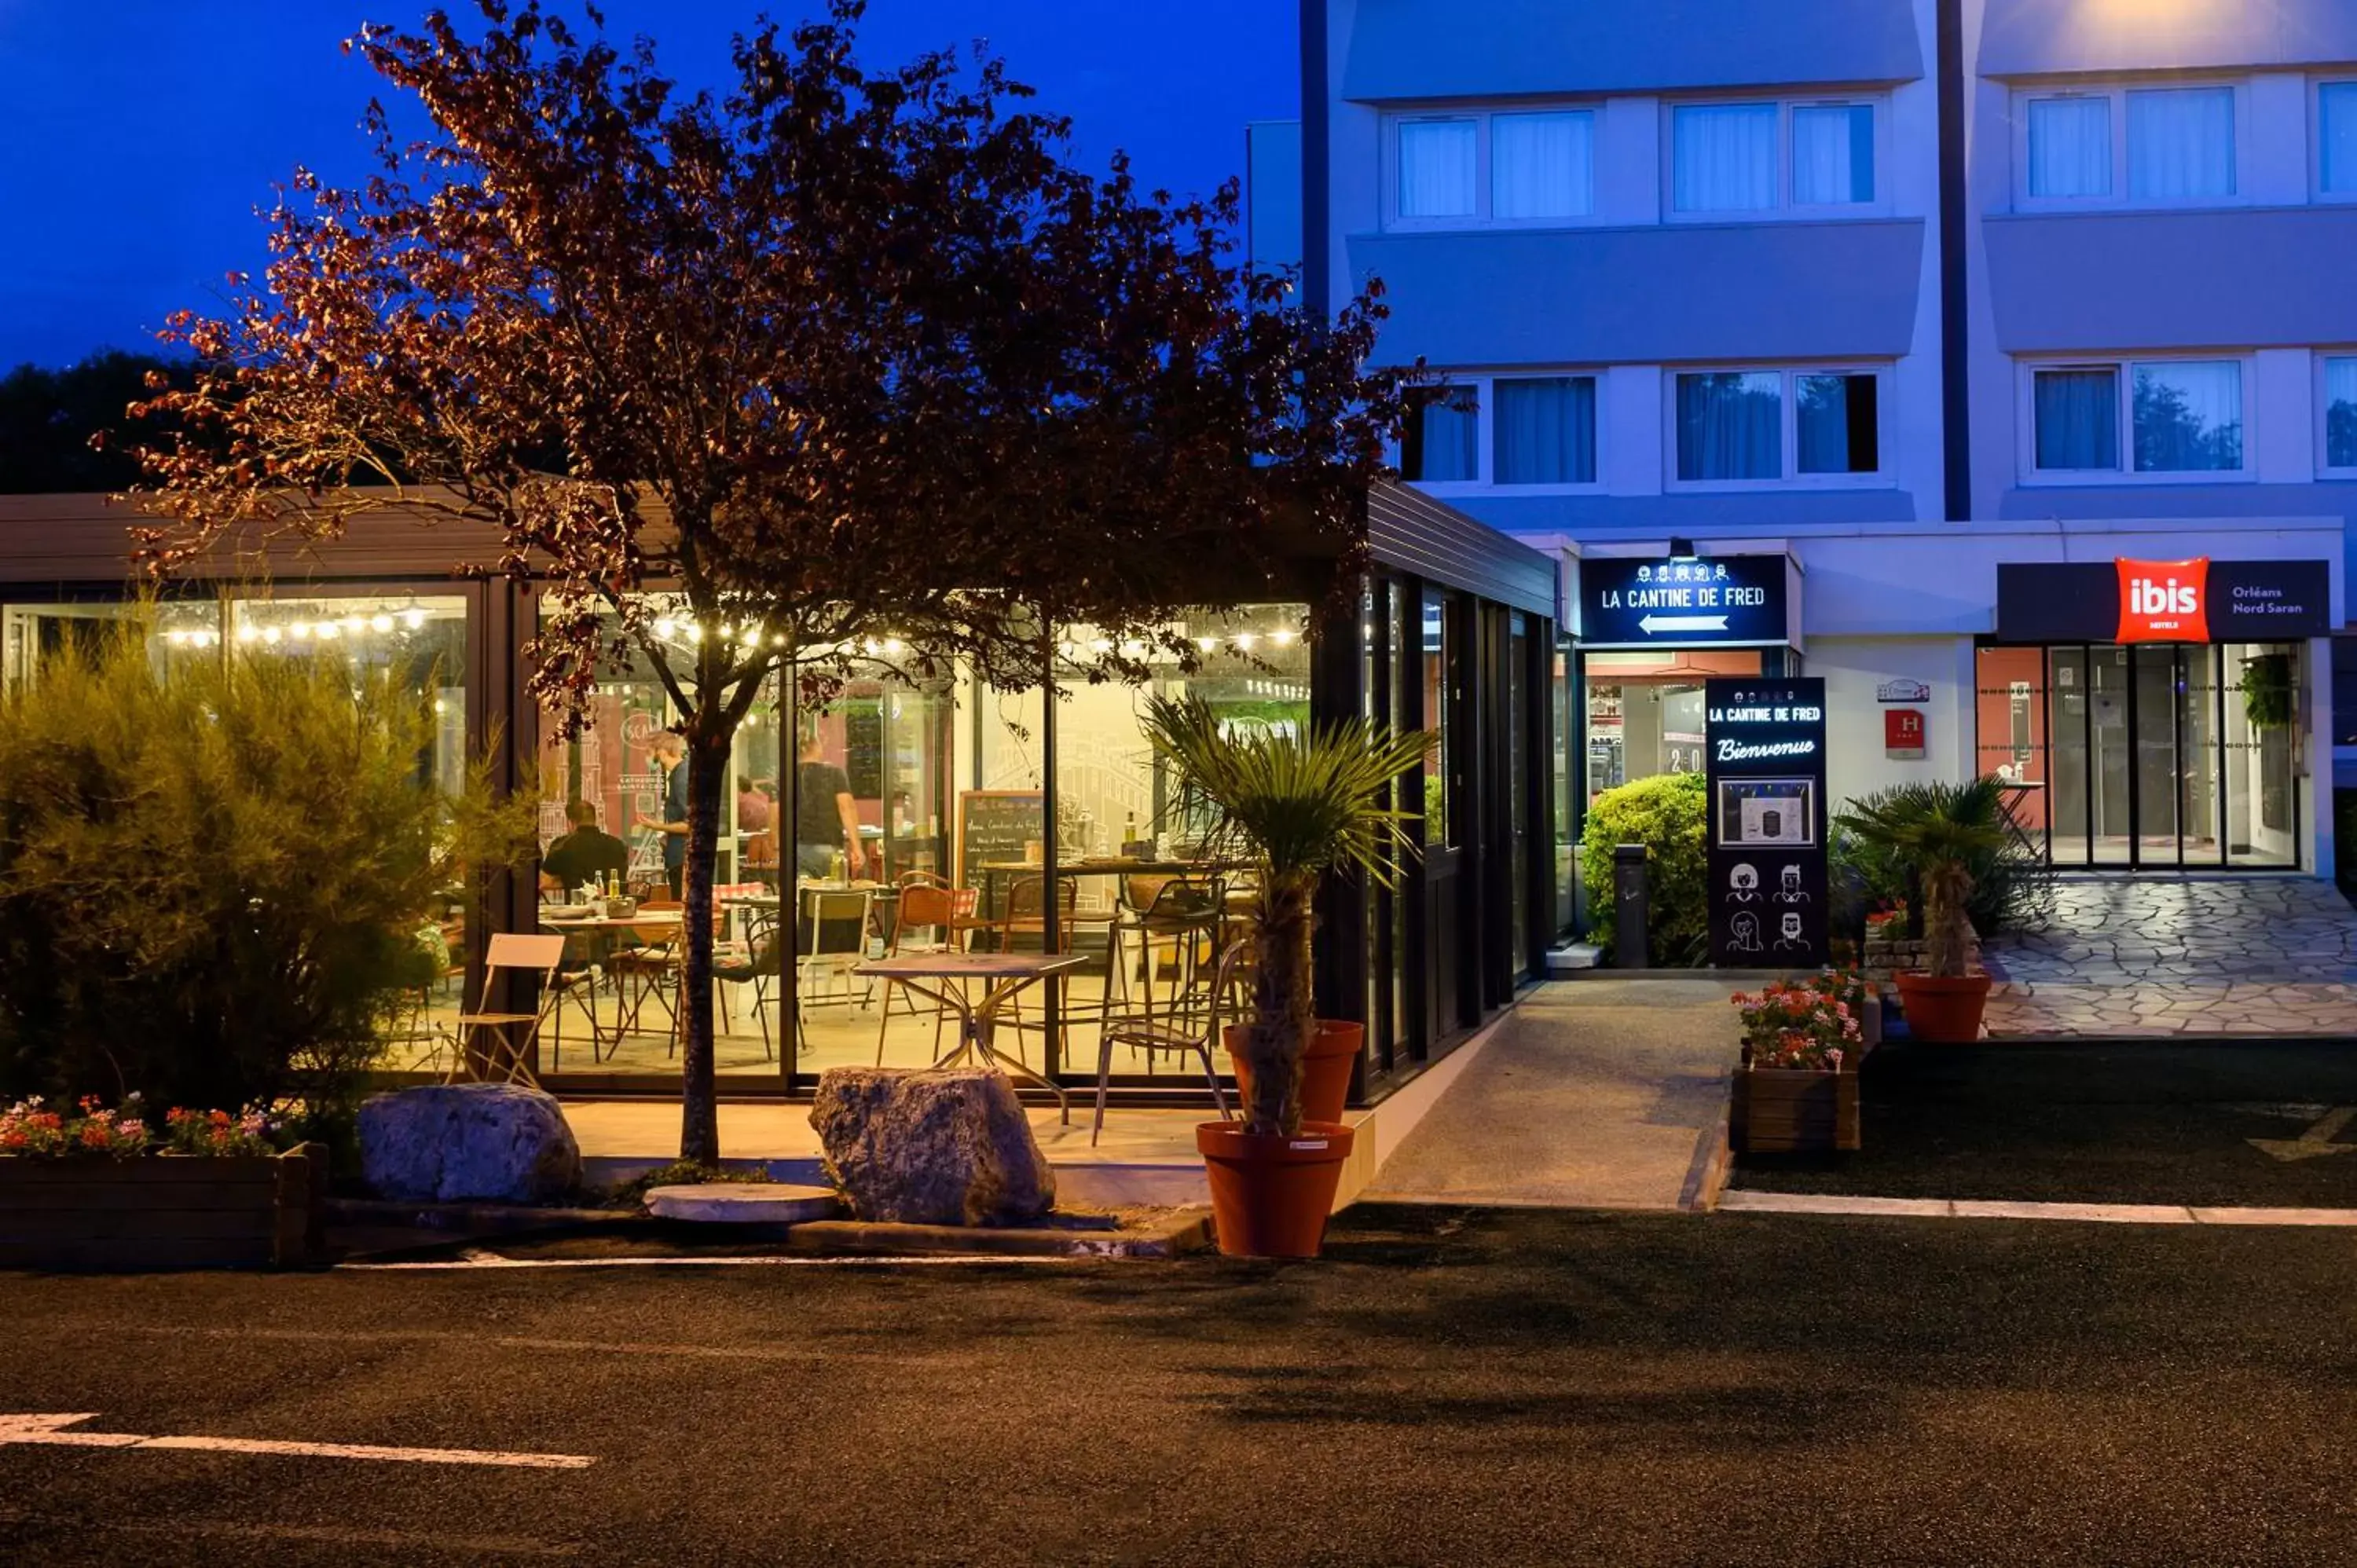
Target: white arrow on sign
[[2317, 1140], [48, 1431], [1653, 623]]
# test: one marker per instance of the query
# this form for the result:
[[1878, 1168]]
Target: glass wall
[[2154, 756], [1645, 710]]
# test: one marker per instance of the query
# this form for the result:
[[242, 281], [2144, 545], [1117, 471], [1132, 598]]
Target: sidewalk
[[1593, 1094]]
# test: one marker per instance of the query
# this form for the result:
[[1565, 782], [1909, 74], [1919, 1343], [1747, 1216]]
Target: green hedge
[[1668, 815]]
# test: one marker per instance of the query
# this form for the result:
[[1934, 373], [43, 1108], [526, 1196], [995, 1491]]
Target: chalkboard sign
[[995, 825], [863, 747]]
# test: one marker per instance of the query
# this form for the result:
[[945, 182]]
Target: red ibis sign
[[2164, 601]]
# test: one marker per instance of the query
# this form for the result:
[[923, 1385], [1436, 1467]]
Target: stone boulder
[[462, 1143], [932, 1148]]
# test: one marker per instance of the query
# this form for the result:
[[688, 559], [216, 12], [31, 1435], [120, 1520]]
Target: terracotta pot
[[1270, 1195], [1944, 1011], [1334, 1046]]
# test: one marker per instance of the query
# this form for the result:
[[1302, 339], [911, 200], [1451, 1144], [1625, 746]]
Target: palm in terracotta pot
[[1295, 807], [1937, 833]]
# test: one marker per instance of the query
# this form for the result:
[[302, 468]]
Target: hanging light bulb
[[299, 631], [1245, 640], [269, 634], [412, 618], [328, 631], [892, 645], [352, 625], [1207, 643], [380, 623], [665, 627], [247, 631], [1283, 636]]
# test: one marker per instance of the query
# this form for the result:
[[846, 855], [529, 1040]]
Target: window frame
[[1484, 196], [1485, 433], [2316, 190], [2122, 367], [1787, 208], [2325, 469], [2116, 91], [1883, 476]]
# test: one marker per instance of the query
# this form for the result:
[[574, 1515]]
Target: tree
[[838, 356], [49, 418]]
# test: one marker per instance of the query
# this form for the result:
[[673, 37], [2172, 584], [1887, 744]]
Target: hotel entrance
[[2160, 757]]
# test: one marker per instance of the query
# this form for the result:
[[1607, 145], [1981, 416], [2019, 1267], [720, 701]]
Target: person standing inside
[[668, 752], [825, 817]]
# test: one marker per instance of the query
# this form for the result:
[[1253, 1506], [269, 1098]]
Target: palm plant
[[1937, 831], [1298, 806]]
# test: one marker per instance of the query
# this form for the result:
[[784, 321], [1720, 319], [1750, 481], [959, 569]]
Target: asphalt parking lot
[[1451, 1386], [2132, 1123]]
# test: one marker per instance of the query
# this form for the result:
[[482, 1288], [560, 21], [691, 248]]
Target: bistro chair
[[1158, 913], [493, 1039], [756, 964], [649, 966], [1196, 1031], [834, 939], [576, 978], [927, 904]]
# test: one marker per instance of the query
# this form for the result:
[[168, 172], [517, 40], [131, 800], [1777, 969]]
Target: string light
[[413, 619], [665, 627], [380, 623]]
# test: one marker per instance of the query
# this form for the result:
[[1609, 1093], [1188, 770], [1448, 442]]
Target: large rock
[[932, 1148], [461, 1143]]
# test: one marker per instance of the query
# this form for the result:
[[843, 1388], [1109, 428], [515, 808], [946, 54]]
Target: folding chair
[[1179, 1034], [492, 1037]]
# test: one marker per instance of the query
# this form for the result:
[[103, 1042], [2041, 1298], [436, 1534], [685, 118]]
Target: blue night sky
[[141, 134]]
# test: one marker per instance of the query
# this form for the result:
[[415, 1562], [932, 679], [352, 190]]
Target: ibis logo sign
[[2164, 601]]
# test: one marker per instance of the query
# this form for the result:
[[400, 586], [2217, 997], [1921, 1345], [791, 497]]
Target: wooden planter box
[[163, 1211], [1788, 1111]]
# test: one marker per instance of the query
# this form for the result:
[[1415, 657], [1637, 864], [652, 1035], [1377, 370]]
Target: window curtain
[[1834, 424], [2181, 143], [1723, 158], [1436, 169], [2340, 413], [2336, 111], [1545, 430], [2188, 417], [2070, 146], [1542, 165], [1730, 425], [1832, 153], [2078, 419], [1449, 426]]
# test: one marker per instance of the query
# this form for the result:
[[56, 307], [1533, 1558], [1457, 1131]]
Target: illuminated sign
[[1764, 766], [1903, 732], [1737, 600], [2200, 600]]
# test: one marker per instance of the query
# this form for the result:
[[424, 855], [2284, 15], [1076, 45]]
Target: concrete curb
[[488, 1218], [1747, 1202], [1187, 1232]]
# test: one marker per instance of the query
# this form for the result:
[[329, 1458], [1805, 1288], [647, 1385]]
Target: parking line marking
[[50, 1432], [1746, 1201], [479, 1260]]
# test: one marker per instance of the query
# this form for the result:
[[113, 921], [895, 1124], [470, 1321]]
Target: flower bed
[[1796, 1090], [99, 1190]]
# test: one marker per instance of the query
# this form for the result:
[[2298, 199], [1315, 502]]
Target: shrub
[[1667, 814], [212, 866], [2012, 889]]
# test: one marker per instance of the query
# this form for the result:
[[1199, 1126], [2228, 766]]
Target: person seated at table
[[584, 855], [825, 817], [753, 807]]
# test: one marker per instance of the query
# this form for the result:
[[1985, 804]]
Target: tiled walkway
[[2156, 957]]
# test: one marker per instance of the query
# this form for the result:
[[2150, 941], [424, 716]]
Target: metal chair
[[927, 903], [1178, 1034], [835, 936], [758, 965], [490, 1037], [1159, 911]]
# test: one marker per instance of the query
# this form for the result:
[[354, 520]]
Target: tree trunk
[[707, 776], [1947, 928], [1284, 1012]]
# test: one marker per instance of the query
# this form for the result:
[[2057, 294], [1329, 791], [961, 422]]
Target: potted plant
[[1936, 832], [1295, 807], [1796, 1090]]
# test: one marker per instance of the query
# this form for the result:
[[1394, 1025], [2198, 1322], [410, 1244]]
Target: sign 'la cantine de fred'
[[2131, 601], [1764, 766], [1732, 600]]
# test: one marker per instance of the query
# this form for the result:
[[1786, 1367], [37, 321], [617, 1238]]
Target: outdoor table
[[1005, 974], [662, 922], [2012, 797]]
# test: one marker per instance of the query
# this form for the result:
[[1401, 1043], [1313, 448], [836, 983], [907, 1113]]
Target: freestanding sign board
[[1765, 769]]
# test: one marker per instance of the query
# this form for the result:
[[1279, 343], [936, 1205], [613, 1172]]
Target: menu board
[[995, 825]]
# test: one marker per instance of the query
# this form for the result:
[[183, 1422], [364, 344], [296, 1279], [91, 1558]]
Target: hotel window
[[1764, 157], [1442, 441], [2339, 405], [1545, 430], [2336, 138], [1764, 426], [2135, 145], [2165, 416], [1524, 167]]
